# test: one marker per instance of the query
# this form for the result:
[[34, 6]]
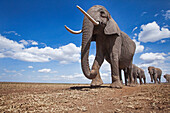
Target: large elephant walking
[[155, 74], [111, 44]]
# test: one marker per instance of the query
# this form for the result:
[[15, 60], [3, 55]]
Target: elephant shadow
[[87, 88]]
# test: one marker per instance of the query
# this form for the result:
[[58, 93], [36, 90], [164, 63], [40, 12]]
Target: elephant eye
[[103, 14]]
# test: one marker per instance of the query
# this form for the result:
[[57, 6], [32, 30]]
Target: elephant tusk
[[88, 16], [71, 31]]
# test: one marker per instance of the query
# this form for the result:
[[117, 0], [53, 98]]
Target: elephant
[[141, 75], [136, 73], [155, 74], [133, 72], [111, 44], [167, 77]]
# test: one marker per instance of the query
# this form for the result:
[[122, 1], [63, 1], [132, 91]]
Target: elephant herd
[[114, 46]]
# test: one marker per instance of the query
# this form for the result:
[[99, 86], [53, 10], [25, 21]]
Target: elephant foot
[[132, 85], [121, 82], [116, 84], [96, 82]]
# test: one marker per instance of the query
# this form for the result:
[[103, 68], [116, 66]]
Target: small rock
[[83, 108], [117, 110], [100, 102], [130, 106]]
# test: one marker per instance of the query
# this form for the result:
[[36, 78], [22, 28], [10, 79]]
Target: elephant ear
[[111, 27]]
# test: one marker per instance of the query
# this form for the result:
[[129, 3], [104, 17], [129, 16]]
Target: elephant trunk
[[86, 41]]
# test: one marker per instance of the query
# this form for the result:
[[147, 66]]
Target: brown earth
[[72, 98]]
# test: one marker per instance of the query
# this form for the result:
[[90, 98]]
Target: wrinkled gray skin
[[111, 44], [155, 74], [167, 77]]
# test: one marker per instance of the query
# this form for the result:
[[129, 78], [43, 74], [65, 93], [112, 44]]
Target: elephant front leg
[[116, 83], [97, 81], [155, 79], [159, 80], [140, 79]]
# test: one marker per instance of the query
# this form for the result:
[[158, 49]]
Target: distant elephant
[[137, 73], [155, 74], [141, 75], [111, 44], [133, 72], [167, 77]]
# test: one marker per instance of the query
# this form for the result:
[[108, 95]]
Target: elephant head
[[97, 20], [151, 71], [167, 77]]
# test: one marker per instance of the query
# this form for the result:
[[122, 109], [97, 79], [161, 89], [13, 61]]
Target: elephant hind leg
[[125, 76], [120, 75]]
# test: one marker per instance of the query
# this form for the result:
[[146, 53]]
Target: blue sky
[[35, 47]]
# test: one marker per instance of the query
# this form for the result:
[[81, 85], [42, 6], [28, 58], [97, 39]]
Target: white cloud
[[159, 60], [135, 35], [167, 15], [9, 45], [13, 32], [134, 29], [30, 67], [166, 26], [47, 70], [22, 70], [163, 41], [139, 47], [24, 42], [12, 49], [28, 42], [34, 43], [44, 70], [10, 71], [156, 15], [143, 13], [153, 59], [152, 33], [152, 56]]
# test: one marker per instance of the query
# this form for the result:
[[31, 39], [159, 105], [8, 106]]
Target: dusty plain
[[76, 98]]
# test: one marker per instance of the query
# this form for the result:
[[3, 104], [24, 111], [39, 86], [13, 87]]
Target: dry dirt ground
[[76, 98]]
